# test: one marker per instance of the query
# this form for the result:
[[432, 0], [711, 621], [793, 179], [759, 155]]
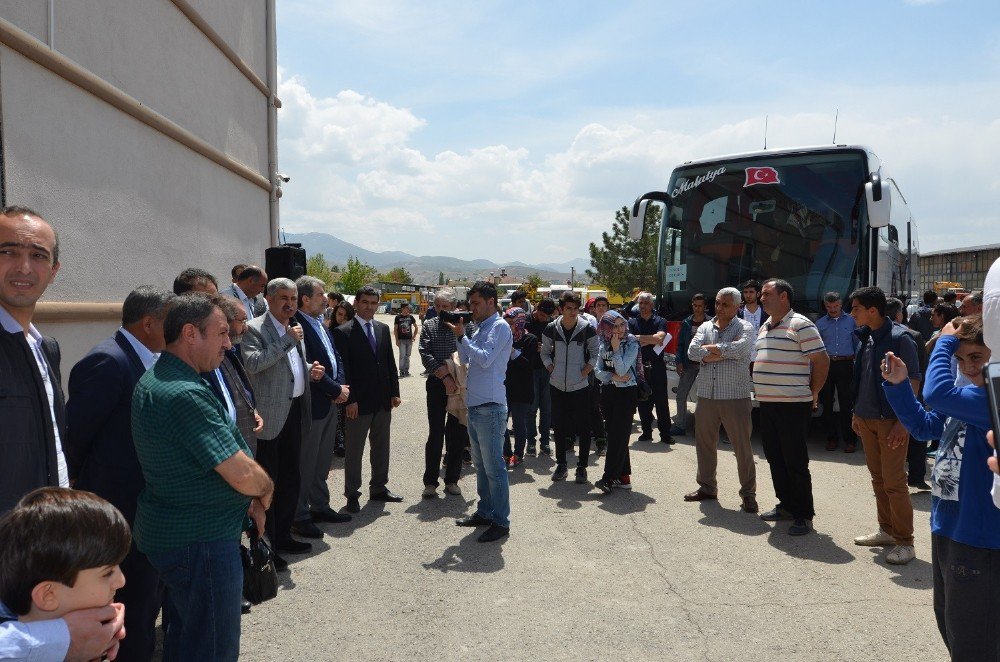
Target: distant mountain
[[425, 269]]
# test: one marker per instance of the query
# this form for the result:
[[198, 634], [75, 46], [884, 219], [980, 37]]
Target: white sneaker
[[430, 491], [452, 488], [877, 539], [900, 555]]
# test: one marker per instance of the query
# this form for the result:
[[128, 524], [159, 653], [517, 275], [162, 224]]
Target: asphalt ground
[[637, 575]]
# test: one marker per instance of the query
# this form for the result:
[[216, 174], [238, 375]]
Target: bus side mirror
[[637, 220], [878, 199]]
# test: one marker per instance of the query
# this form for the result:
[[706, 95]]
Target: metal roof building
[[967, 266]]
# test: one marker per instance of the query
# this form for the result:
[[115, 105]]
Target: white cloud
[[357, 176]]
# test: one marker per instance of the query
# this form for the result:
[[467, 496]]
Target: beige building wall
[[132, 201]]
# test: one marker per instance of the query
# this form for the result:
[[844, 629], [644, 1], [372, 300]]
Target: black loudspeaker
[[287, 261]]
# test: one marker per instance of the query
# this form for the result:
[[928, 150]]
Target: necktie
[[371, 337]]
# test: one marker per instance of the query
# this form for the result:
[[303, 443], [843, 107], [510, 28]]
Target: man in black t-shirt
[[404, 329], [542, 405]]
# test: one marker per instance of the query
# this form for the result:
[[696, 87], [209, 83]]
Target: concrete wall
[[133, 206]]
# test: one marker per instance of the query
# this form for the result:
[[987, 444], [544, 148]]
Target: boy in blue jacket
[[965, 525]]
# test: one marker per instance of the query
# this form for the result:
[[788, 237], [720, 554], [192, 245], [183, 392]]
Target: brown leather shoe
[[698, 495], [850, 447], [831, 444], [749, 505]]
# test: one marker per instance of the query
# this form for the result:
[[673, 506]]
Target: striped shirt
[[782, 368]]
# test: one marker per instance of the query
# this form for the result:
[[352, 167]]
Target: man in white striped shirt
[[789, 372]]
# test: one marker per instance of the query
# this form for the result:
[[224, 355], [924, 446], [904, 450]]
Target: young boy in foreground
[[59, 552]]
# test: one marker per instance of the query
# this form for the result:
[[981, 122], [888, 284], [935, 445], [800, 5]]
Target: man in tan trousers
[[724, 345]]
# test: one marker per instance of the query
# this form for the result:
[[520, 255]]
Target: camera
[[454, 316]]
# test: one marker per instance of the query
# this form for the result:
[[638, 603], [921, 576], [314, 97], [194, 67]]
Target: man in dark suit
[[370, 368], [99, 448], [330, 390], [247, 288], [274, 356], [31, 406]]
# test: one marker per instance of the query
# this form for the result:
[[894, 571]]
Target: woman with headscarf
[[619, 396], [520, 384]]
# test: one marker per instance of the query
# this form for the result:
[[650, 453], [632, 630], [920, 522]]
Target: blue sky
[[512, 131]]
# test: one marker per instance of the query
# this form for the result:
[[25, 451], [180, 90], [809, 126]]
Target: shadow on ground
[[469, 555]]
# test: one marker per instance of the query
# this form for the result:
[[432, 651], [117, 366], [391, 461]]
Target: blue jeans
[[543, 404], [204, 584], [487, 423], [520, 412]]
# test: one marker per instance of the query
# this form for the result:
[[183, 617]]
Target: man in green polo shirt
[[201, 485]]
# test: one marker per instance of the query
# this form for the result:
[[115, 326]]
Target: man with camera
[[486, 352], [436, 346]]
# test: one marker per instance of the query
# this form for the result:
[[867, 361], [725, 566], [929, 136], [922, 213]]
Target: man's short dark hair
[[237, 270], [405, 304], [604, 299], [782, 286], [144, 301], [250, 273], [518, 295], [947, 311], [699, 297], [870, 297], [950, 297], [485, 289], [17, 210], [831, 297], [191, 308], [367, 291], [547, 306], [893, 307], [755, 284], [53, 534], [930, 297], [192, 277], [569, 296]]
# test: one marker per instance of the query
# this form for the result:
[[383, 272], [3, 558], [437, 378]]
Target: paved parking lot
[[637, 575]]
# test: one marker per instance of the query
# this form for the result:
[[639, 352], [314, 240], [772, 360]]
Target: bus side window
[[893, 235]]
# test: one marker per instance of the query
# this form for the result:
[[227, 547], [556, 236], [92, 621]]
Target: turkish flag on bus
[[765, 175]]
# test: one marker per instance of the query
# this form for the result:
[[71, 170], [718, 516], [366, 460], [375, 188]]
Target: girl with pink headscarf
[[619, 396]]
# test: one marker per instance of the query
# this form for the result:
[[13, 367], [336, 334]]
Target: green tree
[[356, 275], [620, 263], [440, 278], [316, 266], [397, 275]]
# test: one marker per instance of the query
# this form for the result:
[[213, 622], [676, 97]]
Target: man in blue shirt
[[486, 353], [837, 330]]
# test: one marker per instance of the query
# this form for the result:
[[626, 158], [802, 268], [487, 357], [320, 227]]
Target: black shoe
[[306, 529], [475, 519], [776, 514], [386, 496], [799, 527], [353, 506], [603, 486], [280, 564], [295, 546], [467, 457], [667, 440], [494, 533], [545, 450], [919, 484], [646, 436], [581, 475], [531, 452], [245, 606], [329, 515], [560, 472]]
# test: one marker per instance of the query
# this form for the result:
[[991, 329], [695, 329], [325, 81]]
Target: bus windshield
[[795, 217]]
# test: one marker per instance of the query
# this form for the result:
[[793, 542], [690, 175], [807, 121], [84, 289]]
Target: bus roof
[[777, 152]]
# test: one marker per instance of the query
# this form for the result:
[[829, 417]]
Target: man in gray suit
[[274, 356], [247, 288]]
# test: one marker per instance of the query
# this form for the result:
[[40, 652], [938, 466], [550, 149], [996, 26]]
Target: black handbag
[[260, 580], [645, 391]]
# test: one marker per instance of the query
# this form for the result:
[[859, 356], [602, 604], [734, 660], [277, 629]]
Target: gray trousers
[[405, 348], [687, 380], [375, 428], [314, 465]]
